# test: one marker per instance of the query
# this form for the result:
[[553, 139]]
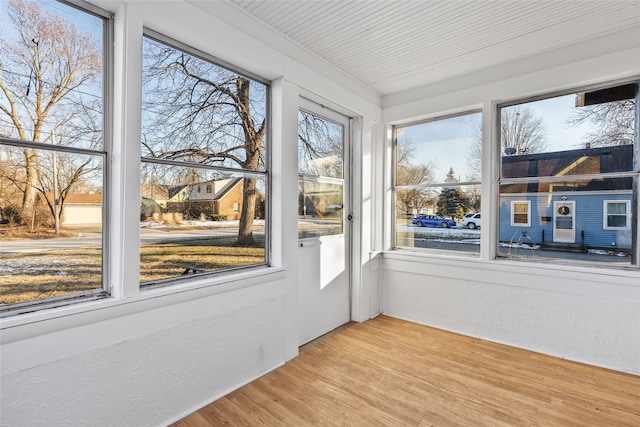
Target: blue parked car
[[432, 221]]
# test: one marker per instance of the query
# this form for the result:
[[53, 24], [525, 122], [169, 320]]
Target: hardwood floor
[[389, 372]]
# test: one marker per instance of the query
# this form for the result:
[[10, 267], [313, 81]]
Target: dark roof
[[586, 161], [618, 158], [175, 190]]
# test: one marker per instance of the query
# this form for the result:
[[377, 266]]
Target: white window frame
[[632, 173], [259, 174], [104, 292], [605, 214], [438, 184], [513, 212]]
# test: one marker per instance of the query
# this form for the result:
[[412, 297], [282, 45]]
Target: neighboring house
[[82, 209], [579, 214], [216, 197], [159, 194], [153, 200], [79, 208]]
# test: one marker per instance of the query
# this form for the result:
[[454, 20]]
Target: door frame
[[564, 235]]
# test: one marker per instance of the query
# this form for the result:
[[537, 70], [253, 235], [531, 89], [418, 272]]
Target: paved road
[[93, 239], [516, 253]]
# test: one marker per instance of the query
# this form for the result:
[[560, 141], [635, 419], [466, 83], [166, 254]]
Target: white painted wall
[[145, 368], [584, 316], [587, 314]]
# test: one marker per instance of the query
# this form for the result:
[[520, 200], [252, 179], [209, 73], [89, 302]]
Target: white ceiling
[[394, 46]]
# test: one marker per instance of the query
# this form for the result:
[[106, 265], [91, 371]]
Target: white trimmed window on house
[[521, 214], [616, 214]]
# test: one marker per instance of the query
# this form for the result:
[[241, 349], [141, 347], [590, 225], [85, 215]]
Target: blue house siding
[[589, 218]]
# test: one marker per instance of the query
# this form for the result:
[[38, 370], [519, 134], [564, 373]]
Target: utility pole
[[56, 211]]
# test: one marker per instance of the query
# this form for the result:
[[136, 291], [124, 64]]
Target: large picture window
[[204, 183], [437, 184], [573, 160], [53, 153]]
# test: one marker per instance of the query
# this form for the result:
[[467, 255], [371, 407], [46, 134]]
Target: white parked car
[[471, 220]]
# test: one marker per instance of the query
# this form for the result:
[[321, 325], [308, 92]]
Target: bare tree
[[60, 175], [320, 146], [10, 194], [198, 112], [43, 72], [412, 200], [522, 130], [474, 157], [613, 122]]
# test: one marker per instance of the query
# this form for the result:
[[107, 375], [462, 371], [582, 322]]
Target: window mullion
[[490, 187], [125, 173]]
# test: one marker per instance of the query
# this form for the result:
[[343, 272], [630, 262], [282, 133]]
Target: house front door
[[324, 278], [564, 228]]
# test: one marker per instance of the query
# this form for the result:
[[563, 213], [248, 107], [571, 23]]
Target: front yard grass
[[34, 276]]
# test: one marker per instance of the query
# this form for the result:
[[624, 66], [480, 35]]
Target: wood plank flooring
[[389, 372]]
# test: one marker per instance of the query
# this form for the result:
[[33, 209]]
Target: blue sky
[[555, 112], [84, 21], [445, 143]]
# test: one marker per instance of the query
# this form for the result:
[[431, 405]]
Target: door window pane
[[320, 146], [320, 209], [320, 176]]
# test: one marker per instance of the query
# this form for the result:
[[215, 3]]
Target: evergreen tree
[[452, 202]]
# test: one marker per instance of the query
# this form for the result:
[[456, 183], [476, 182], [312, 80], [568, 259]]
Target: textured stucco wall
[[559, 316], [150, 379]]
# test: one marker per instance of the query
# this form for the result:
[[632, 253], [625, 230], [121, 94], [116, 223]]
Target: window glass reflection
[[186, 231], [320, 209], [60, 251]]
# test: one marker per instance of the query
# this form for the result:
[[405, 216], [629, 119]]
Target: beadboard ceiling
[[394, 46]]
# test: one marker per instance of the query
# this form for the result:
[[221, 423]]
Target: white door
[[564, 224], [323, 221]]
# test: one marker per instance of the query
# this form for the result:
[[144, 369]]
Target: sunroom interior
[[373, 69]]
